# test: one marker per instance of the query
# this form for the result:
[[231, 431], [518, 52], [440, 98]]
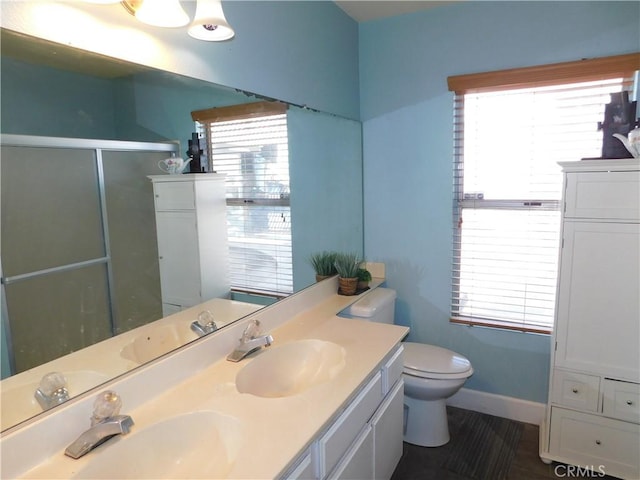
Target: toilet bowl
[[431, 374]]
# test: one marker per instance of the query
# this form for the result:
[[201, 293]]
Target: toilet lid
[[422, 360]]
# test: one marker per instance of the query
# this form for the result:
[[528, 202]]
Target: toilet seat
[[430, 361]]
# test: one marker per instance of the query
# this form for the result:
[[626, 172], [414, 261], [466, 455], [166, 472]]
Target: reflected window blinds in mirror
[[249, 144]]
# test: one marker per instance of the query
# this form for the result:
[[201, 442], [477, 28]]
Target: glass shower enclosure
[[78, 249]]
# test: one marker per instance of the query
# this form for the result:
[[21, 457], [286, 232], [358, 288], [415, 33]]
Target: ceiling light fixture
[[209, 23], [158, 13]]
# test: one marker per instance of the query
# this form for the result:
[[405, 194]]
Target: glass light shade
[[209, 23], [162, 13]]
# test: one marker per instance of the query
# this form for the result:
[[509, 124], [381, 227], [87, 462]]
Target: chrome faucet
[[250, 341], [204, 325], [52, 390], [105, 423]]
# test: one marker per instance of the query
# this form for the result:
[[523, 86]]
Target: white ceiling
[[363, 10]]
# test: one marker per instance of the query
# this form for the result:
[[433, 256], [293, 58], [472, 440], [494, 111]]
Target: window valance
[[619, 66], [239, 112]]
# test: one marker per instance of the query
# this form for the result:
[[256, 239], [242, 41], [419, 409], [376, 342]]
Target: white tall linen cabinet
[[193, 249], [593, 412]]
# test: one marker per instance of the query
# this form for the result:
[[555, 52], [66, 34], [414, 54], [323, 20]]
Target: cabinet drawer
[[621, 400], [585, 439], [576, 390], [612, 195], [392, 370], [174, 196], [342, 433]]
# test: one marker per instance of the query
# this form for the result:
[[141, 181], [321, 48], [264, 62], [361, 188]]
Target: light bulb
[[210, 23], [162, 13]]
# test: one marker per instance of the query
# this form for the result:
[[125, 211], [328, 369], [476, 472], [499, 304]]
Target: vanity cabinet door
[[358, 461], [387, 426], [344, 431], [303, 470]]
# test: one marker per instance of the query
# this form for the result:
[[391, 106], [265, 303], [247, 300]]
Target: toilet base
[[426, 422]]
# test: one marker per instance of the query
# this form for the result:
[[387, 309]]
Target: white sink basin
[[156, 342], [195, 445], [291, 368], [18, 403]]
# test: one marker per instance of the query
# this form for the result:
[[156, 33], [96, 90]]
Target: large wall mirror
[[52, 92]]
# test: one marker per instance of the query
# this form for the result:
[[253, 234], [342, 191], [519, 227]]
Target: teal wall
[[326, 188], [148, 107], [407, 130], [304, 52], [48, 102]]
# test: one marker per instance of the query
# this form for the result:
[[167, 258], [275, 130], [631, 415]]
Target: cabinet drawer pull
[[597, 442], [629, 402], [574, 390]]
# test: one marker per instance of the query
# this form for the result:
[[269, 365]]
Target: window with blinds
[[507, 192], [252, 151]]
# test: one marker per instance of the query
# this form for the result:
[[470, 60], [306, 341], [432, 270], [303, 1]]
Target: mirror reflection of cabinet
[[192, 239]]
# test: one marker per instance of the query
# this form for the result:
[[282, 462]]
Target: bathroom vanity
[[324, 401], [593, 413]]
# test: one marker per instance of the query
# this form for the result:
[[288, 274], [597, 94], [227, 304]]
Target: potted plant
[[323, 264], [347, 265], [364, 277]]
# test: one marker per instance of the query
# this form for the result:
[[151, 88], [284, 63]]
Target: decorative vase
[[362, 285], [347, 286], [319, 278]]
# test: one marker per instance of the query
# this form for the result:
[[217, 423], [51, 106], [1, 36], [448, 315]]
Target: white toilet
[[431, 374]]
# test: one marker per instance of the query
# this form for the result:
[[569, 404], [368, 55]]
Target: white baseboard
[[498, 405]]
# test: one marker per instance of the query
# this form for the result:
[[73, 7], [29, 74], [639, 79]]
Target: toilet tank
[[377, 306]]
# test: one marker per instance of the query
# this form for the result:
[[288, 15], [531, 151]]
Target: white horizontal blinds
[[254, 155], [508, 188]]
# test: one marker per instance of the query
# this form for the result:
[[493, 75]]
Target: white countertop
[[107, 359], [274, 430]]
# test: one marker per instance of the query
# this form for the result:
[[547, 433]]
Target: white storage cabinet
[[365, 440], [192, 239], [593, 412]]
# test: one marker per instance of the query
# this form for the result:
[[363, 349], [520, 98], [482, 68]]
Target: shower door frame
[[98, 147]]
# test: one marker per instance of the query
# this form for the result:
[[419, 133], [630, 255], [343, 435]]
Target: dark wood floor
[[420, 463]]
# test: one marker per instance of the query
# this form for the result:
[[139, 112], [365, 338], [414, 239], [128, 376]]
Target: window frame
[[621, 66], [247, 111]]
